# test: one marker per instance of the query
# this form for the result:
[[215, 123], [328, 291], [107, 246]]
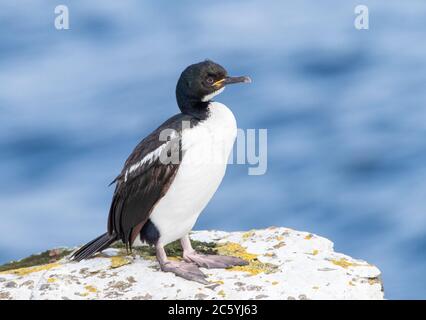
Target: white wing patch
[[153, 155], [150, 157]]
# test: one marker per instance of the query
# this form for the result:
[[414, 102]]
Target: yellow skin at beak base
[[218, 83]]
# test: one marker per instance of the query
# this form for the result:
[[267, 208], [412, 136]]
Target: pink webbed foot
[[186, 270]]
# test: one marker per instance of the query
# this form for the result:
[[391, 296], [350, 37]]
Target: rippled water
[[345, 112]]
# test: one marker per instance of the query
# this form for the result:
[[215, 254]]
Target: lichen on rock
[[283, 264], [254, 267], [45, 257]]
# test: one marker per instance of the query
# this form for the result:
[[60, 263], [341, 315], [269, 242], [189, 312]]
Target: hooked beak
[[231, 80]]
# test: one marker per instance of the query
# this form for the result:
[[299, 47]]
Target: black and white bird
[[172, 174]]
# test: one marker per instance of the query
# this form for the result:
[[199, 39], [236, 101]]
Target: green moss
[[173, 249], [50, 256], [45, 257]]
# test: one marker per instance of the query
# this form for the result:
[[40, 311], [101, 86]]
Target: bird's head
[[202, 81]]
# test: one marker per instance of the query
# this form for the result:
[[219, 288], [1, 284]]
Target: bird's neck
[[193, 106]]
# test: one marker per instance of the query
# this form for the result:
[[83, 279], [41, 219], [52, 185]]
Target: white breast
[[206, 151]]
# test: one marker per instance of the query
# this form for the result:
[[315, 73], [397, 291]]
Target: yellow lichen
[[274, 283], [279, 238], [51, 280], [344, 263], [221, 293], [119, 261], [351, 284], [236, 250], [25, 271], [309, 237], [91, 289], [253, 268], [175, 258], [248, 234], [315, 252], [372, 281]]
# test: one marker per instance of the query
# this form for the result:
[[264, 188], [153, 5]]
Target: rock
[[284, 264], [10, 284]]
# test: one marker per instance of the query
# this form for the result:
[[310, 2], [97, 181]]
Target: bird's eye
[[210, 80]]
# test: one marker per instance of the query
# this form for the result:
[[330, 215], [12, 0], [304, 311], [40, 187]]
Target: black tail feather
[[96, 245]]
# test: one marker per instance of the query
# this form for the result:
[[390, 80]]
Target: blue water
[[345, 112]]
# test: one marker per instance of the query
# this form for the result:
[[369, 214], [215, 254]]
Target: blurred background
[[344, 108]]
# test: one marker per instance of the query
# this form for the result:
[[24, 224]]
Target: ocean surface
[[345, 111]]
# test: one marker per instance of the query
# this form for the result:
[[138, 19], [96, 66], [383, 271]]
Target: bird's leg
[[209, 261], [186, 270]]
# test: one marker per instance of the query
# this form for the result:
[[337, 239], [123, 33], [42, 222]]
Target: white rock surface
[[298, 265]]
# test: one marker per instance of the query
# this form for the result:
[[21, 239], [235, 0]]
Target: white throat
[[212, 95]]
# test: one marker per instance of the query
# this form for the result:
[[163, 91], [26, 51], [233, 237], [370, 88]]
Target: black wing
[[145, 179]]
